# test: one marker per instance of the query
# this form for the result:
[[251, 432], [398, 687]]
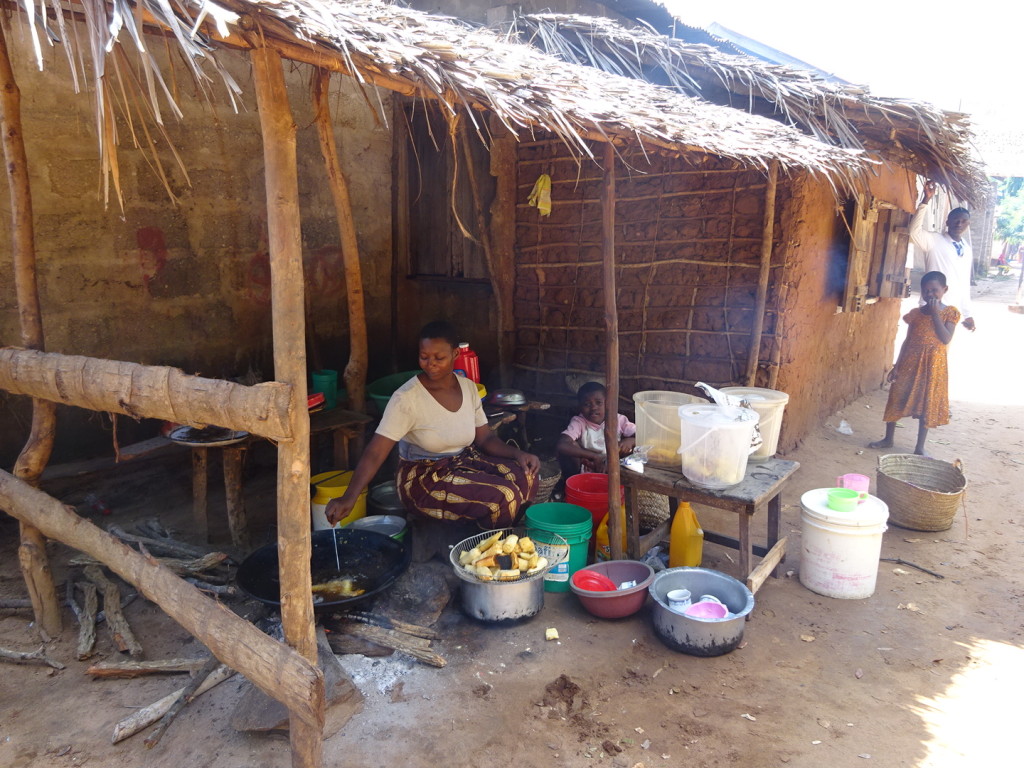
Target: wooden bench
[[761, 489]]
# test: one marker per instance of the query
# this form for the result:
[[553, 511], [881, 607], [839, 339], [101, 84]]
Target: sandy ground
[[917, 675]]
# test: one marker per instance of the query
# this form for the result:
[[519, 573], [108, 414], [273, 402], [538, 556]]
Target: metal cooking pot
[[700, 637], [496, 601], [371, 559], [503, 397]]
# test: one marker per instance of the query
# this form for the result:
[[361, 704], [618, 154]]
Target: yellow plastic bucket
[[332, 485]]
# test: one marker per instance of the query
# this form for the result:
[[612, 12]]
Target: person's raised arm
[[919, 236], [374, 455], [943, 329], [492, 445]]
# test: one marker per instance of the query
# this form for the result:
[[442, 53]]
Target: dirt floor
[[919, 674]]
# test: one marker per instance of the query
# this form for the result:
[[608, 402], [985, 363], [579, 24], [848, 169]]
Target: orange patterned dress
[[921, 388]]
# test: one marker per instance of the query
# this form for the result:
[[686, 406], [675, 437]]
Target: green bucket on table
[[574, 524]]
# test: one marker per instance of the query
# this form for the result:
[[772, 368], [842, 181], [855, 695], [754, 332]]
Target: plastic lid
[[718, 416], [872, 512], [757, 394], [463, 345]]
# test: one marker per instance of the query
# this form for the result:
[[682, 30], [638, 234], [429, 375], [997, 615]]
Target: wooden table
[[232, 454], [348, 428], [761, 489]]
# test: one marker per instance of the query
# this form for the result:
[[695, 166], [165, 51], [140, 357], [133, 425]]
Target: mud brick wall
[[187, 284], [688, 239]]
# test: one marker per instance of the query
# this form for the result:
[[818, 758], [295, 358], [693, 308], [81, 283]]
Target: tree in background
[[1010, 214]]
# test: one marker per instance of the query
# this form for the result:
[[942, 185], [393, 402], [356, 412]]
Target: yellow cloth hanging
[[540, 196]]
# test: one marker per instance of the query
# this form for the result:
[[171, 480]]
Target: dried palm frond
[[464, 68], [913, 134]]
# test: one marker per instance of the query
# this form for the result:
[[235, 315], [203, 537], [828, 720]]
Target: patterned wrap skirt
[[469, 486]]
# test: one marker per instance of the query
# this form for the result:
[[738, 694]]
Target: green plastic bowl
[[381, 390]]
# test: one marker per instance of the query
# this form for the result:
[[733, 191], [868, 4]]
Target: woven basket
[[652, 509], [546, 482], [923, 494]]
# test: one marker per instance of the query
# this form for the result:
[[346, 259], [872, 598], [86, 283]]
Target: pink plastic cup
[[859, 483]]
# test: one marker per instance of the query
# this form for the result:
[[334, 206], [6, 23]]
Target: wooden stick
[[35, 454], [150, 391], [139, 668], [87, 621], [389, 623], [901, 561], [173, 564], [120, 632], [231, 458], [146, 716], [188, 693], [390, 639], [762, 282], [29, 657], [358, 357], [223, 590], [164, 545], [767, 565], [14, 604], [284, 227], [273, 667], [611, 322]]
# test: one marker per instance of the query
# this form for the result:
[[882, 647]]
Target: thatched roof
[[912, 134], [464, 67]]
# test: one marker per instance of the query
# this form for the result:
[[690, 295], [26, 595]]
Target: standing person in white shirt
[[947, 252]]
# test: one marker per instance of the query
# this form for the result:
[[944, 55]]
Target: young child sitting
[[581, 446]]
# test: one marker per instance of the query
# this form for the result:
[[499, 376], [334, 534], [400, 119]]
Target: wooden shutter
[[858, 269], [895, 282]]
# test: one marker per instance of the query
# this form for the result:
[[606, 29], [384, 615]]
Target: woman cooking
[[451, 466]]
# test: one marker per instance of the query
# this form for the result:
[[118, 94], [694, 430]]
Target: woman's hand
[[528, 461], [340, 508], [892, 375]]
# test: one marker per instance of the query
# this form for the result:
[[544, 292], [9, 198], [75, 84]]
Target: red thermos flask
[[467, 360]]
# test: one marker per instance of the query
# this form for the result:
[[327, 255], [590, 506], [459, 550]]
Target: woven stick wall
[[687, 245]]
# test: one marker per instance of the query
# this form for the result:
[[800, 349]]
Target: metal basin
[[700, 637]]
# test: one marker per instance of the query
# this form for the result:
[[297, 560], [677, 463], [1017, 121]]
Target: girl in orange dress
[[920, 378]]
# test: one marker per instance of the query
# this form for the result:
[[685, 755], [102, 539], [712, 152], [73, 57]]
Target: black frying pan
[[371, 559]]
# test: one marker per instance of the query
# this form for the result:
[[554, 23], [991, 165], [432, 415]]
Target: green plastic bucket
[[381, 390], [574, 524]]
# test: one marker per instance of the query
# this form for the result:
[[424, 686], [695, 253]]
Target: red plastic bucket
[[590, 491]]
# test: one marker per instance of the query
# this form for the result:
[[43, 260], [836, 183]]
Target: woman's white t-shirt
[[424, 428]]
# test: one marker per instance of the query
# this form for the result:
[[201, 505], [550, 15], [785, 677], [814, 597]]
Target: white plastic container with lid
[[839, 551], [657, 424], [769, 404], [715, 443]]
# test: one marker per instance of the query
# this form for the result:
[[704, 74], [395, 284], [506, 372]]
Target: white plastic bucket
[[769, 404], [715, 443], [657, 424], [839, 551]]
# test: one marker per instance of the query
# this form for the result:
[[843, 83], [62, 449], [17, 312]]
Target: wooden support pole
[[501, 278], [287, 286], [503, 240], [611, 322], [35, 454], [272, 666], [358, 356], [767, 236], [231, 458], [147, 391]]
